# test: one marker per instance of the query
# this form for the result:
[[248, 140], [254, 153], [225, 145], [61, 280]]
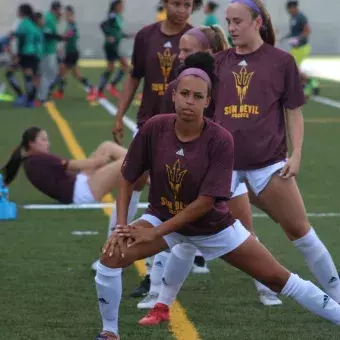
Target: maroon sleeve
[[137, 160], [217, 182], [138, 56], [57, 162], [52, 161], [294, 96], [167, 105]]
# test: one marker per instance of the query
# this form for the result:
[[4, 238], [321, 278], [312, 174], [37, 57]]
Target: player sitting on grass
[[68, 181]]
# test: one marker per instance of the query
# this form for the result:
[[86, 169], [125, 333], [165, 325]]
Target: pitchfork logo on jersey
[[242, 82], [166, 60], [175, 177]]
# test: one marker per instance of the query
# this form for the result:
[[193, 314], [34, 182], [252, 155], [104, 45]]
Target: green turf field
[[47, 287]]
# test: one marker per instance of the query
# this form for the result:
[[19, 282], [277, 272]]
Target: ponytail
[[216, 37], [267, 31], [10, 170]]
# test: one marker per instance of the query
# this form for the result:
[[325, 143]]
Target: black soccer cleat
[[143, 288]]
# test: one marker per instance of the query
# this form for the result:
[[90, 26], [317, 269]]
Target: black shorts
[[71, 59], [29, 62], [111, 53]]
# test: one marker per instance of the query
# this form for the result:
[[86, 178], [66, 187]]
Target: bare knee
[[115, 261], [105, 148], [106, 145], [296, 229]]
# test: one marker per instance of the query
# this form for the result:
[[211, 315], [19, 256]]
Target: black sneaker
[[200, 266], [143, 288]]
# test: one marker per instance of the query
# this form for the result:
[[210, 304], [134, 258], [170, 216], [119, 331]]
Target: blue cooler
[[8, 210]]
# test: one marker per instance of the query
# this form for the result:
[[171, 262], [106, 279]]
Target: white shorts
[[257, 179], [240, 190], [211, 246], [82, 193]]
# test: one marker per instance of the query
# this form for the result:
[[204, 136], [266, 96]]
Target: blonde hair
[[267, 32], [217, 39]]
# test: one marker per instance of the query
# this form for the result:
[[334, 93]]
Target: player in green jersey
[[112, 28], [70, 61], [29, 47]]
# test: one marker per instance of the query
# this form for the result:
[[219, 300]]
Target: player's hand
[[292, 166], [111, 246], [138, 234], [118, 130], [116, 245], [111, 40]]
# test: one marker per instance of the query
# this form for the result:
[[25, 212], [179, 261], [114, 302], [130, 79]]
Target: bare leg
[[76, 73], [103, 181], [110, 149], [124, 64], [63, 71], [255, 260], [282, 199], [241, 209]]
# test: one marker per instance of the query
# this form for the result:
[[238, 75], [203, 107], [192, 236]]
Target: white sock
[[109, 292], [133, 208], [312, 298], [320, 263], [159, 263], [149, 264], [176, 271]]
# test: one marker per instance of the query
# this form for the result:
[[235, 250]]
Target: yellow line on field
[[179, 325]]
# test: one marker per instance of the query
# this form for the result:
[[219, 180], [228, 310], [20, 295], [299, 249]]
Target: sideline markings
[[140, 206]]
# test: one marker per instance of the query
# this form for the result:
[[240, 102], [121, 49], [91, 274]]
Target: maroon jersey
[[168, 106], [252, 92], [49, 175], [154, 58], [180, 172]]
